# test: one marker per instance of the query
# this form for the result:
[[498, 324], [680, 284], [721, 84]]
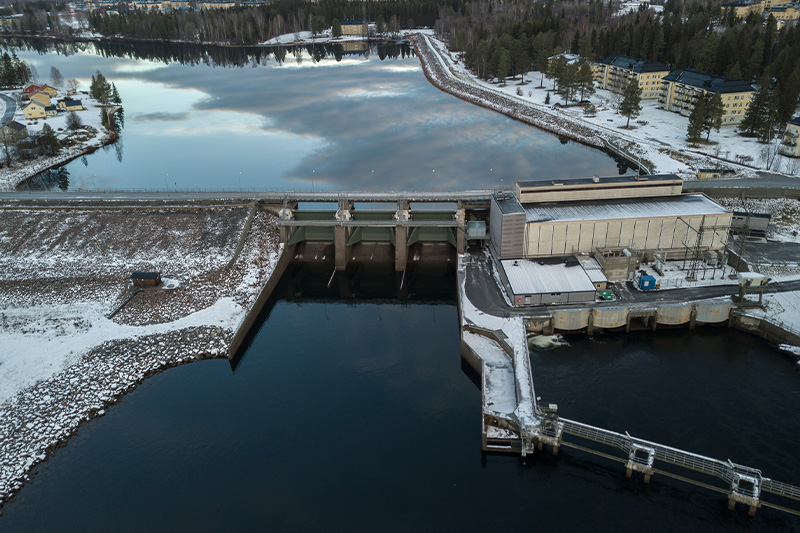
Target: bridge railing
[[727, 471]]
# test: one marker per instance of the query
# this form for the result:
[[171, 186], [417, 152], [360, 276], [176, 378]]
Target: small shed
[[647, 283], [709, 173], [146, 279]]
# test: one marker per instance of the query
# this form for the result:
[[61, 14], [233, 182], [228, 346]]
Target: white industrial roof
[[665, 206], [594, 270], [527, 276]]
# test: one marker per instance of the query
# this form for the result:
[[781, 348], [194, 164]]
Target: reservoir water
[[292, 119]]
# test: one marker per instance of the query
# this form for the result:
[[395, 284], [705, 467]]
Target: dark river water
[[350, 416], [246, 118]]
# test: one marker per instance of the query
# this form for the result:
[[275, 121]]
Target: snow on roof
[[594, 270], [664, 206], [508, 203], [546, 276]]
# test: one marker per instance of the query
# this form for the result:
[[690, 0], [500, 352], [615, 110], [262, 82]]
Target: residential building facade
[[356, 28], [789, 145], [615, 72], [680, 90], [34, 110]]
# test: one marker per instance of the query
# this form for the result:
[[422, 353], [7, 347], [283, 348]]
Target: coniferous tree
[[714, 112], [696, 119], [631, 99]]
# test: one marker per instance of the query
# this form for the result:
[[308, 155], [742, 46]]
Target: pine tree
[[630, 106], [503, 66], [714, 112], [696, 119], [336, 28]]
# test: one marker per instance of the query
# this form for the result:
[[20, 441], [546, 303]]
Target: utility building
[[629, 218]]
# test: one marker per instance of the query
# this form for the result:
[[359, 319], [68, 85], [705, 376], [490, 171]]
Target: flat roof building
[[673, 225], [546, 281]]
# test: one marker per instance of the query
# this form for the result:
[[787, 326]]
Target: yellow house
[[358, 28], [615, 72], [41, 97], [785, 13], [742, 9], [51, 111], [789, 145], [708, 173], [50, 91], [70, 105], [34, 110], [680, 90]]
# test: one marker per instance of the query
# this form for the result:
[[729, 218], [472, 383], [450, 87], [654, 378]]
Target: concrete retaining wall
[[713, 312], [261, 301], [609, 317]]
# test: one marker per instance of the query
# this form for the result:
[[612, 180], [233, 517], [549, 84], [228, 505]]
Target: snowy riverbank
[[19, 172], [64, 271], [658, 138]]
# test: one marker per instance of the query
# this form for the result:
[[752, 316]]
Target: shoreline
[[16, 177], [678, 160], [83, 391], [98, 361]]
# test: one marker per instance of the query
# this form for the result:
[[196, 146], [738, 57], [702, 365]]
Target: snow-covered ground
[[500, 365], [305, 37], [657, 136], [633, 7], [63, 272], [90, 116]]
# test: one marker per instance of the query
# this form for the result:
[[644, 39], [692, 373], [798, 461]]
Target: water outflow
[[547, 342]]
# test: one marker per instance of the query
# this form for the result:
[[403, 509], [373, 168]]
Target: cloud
[[160, 117]]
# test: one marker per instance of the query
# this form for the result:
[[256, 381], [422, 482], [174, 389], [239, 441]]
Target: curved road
[[484, 293], [11, 108]]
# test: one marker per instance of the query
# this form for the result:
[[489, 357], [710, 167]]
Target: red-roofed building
[[32, 89]]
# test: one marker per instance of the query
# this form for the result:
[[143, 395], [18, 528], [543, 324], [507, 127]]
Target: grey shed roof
[[617, 209], [508, 203], [16, 126], [145, 275], [795, 121], [541, 276]]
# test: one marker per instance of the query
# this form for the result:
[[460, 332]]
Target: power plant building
[[632, 217]]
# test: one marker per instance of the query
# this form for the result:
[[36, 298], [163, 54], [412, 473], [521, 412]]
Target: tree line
[[688, 35]]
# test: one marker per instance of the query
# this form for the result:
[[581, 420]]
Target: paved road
[[766, 181], [484, 293], [11, 108], [278, 196]]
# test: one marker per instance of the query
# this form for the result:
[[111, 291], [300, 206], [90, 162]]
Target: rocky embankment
[[41, 418], [437, 74]]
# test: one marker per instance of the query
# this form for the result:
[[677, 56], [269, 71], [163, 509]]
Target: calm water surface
[[362, 417], [348, 123]]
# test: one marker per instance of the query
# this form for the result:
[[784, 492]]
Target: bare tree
[[56, 77], [73, 84]]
